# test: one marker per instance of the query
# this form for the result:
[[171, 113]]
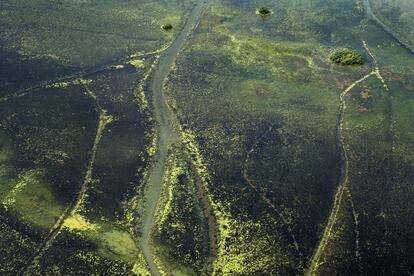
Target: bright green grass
[[34, 201], [117, 244]]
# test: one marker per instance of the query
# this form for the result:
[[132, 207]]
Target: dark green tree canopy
[[264, 11], [167, 26], [347, 57]]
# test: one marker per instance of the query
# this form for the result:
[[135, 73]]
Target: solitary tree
[[167, 27], [264, 11], [347, 57]]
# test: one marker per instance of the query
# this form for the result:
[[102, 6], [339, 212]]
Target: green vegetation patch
[[50, 131], [97, 237], [398, 15], [181, 231], [73, 253], [87, 33], [120, 243], [16, 247], [264, 11], [381, 171], [167, 27], [33, 201], [339, 252], [250, 90], [347, 57]]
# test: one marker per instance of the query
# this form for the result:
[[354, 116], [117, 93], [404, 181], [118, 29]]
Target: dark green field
[[228, 143]]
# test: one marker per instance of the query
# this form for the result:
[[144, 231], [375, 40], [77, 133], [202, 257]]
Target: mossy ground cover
[[46, 134], [16, 246], [41, 41], [399, 15], [266, 89], [339, 255], [380, 160], [255, 75], [45, 149], [259, 95], [97, 237], [19, 72], [380, 186], [181, 234], [80, 33], [45, 153], [382, 168], [49, 120]]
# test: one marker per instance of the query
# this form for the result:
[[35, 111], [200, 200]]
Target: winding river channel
[[167, 133], [371, 15]]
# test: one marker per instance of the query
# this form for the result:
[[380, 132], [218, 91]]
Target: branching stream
[[167, 133], [343, 188]]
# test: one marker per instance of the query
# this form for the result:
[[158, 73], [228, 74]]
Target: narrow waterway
[[343, 184], [371, 15], [167, 134], [104, 120], [328, 231]]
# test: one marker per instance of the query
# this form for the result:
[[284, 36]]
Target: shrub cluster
[[263, 11], [347, 57], [167, 27]]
